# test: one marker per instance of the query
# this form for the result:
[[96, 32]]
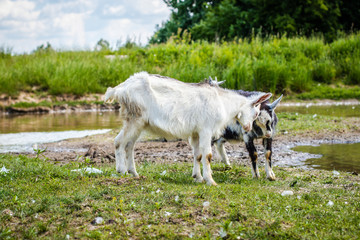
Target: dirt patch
[[99, 149]]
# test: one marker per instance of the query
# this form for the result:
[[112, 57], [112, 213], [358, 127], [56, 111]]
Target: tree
[[227, 19], [102, 45], [184, 15]]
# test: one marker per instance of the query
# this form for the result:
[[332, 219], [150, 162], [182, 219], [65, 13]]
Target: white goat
[[171, 108]]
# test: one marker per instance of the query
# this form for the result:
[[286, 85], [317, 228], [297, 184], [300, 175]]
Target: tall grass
[[279, 65]]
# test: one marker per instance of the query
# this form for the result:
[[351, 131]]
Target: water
[[336, 111], [27, 141], [59, 122], [341, 157], [19, 133]]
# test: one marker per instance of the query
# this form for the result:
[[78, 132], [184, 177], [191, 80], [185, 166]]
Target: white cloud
[[19, 10], [151, 7], [114, 10], [72, 27], [67, 24]]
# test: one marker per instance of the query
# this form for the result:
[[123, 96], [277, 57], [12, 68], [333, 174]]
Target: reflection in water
[[342, 157], [20, 132], [59, 122]]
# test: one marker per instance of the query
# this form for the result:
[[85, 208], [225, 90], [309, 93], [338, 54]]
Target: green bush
[[276, 64], [354, 71], [324, 71]]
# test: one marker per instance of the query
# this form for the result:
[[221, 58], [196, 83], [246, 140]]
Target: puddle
[[341, 157], [25, 142]]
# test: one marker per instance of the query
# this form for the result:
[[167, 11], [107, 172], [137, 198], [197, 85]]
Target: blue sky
[[77, 24]]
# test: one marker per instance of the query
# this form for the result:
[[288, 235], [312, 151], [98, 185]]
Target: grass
[[328, 92], [298, 123], [41, 200], [280, 65]]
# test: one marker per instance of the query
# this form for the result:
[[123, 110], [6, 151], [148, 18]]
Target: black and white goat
[[172, 108], [263, 127]]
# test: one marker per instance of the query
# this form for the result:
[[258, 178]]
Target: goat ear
[[262, 98], [275, 103], [109, 95]]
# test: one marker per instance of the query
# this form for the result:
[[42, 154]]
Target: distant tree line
[[215, 20]]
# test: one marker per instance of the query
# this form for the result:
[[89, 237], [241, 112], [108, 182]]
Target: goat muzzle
[[247, 127]]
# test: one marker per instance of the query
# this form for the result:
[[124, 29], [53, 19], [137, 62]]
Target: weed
[[276, 64]]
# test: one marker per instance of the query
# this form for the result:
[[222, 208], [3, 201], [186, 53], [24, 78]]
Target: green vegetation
[[295, 123], [215, 20], [40, 200], [278, 64]]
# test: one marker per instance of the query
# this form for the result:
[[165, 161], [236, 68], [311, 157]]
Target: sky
[[77, 24]]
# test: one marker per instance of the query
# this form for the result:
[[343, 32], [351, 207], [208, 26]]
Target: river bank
[[99, 149], [32, 103]]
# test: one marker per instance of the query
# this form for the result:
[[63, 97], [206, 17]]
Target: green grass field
[[40, 200], [279, 65]]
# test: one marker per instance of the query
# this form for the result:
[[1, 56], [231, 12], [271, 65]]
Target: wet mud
[[99, 149]]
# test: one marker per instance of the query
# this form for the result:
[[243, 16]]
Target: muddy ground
[[100, 149]]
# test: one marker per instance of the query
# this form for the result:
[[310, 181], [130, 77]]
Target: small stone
[[97, 221], [287, 193]]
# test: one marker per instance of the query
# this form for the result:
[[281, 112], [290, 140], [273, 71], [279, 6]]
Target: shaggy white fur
[[174, 109]]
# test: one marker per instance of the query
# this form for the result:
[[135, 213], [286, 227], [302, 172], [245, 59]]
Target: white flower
[[222, 233], [163, 173], [176, 198], [4, 170], [206, 204], [315, 115], [166, 214], [336, 172], [287, 193], [330, 203], [87, 170], [157, 191]]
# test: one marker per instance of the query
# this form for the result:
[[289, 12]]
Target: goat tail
[[109, 95]]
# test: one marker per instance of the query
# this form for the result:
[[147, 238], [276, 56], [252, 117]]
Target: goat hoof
[[211, 183], [122, 172], [271, 177], [135, 174], [198, 179]]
